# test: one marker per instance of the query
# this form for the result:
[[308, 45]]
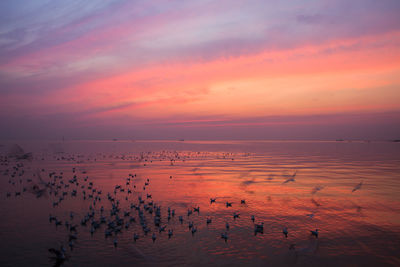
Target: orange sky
[[172, 65]]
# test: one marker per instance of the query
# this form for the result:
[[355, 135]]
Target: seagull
[[162, 228], [227, 226], [72, 237], [311, 215], [170, 233], [154, 237], [259, 228], [242, 201], [285, 231], [208, 221], [252, 218], [52, 218], [315, 233], [135, 237], [71, 244], [291, 179], [357, 187], [59, 254], [194, 230], [315, 202], [212, 200], [224, 236], [228, 204], [235, 215]]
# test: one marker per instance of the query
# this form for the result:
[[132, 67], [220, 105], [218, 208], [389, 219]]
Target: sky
[[254, 69]]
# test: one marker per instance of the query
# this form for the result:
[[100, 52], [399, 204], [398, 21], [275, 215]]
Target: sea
[[185, 193]]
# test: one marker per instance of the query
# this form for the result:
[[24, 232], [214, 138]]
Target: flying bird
[[316, 189], [291, 178], [358, 186]]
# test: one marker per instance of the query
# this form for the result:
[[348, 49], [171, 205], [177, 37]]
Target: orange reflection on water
[[301, 185]]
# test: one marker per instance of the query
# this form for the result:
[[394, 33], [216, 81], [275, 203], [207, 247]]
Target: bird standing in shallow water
[[285, 231], [170, 233], [71, 244], [194, 230], [314, 233], [224, 236], [59, 255], [259, 228], [135, 237]]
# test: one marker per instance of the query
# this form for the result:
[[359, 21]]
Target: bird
[[135, 237], [227, 226], [235, 215], [153, 237], [162, 228], [316, 189], [314, 233], [291, 178], [208, 221], [242, 201], [71, 244], [311, 215], [170, 233], [194, 230], [72, 237], [358, 186], [228, 204], [212, 200], [259, 228], [285, 231], [252, 218], [224, 236], [59, 254]]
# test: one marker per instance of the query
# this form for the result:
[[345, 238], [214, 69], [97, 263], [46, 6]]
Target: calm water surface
[[360, 228]]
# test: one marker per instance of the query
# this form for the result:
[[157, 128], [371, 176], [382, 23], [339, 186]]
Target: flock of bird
[[113, 213]]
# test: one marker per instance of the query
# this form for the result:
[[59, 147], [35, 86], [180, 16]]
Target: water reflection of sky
[[360, 227]]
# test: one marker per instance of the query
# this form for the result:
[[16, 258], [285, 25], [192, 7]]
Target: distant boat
[[181, 140], [115, 139]]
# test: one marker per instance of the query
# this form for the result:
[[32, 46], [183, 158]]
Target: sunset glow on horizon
[[201, 69]]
